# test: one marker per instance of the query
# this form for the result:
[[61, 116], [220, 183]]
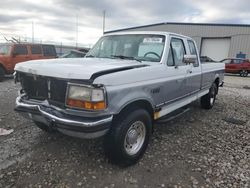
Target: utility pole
[[32, 32], [76, 30], [103, 23]]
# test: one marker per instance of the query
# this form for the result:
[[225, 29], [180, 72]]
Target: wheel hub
[[135, 138], [132, 136]]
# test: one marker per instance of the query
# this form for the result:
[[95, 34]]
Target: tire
[[2, 73], [207, 101], [243, 73], [128, 137], [44, 127]]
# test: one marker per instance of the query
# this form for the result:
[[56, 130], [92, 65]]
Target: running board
[[173, 115]]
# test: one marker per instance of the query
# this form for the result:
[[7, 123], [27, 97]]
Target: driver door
[[176, 71]]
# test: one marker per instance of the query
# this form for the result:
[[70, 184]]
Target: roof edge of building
[[179, 23]]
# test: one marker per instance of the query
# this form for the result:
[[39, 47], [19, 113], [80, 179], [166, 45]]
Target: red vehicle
[[11, 54], [237, 66]]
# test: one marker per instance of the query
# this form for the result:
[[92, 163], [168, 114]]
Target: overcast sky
[[55, 20]]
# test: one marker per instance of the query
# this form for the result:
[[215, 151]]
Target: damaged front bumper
[[54, 118]]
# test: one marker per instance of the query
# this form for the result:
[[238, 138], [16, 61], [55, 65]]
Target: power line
[[103, 24]]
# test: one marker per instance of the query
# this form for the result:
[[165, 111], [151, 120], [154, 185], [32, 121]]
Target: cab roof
[[147, 33]]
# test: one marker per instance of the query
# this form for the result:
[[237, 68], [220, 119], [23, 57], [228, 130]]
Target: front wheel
[[243, 73], [207, 101], [129, 136]]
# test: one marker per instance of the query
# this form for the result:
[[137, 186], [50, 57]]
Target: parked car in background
[[206, 59], [237, 66], [11, 54], [74, 54], [124, 84]]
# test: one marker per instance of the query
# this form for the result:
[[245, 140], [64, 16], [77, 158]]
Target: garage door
[[216, 49]]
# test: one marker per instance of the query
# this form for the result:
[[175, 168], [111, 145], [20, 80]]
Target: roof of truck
[[180, 23], [147, 32]]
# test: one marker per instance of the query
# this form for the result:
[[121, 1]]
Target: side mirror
[[190, 59]]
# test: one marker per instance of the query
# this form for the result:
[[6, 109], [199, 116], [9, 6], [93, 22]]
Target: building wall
[[240, 35]]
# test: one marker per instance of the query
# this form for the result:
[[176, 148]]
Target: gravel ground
[[199, 149]]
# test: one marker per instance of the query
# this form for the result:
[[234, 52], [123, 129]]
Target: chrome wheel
[[135, 138], [243, 73]]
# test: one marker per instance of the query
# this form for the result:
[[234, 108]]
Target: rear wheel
[[207, 101], [2, 73], [243, 73], [129, 136]]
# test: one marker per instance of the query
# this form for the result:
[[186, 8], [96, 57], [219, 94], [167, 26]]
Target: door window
[[170, 57], [49, 50], [176, 53], [193, 51], [20, 50], [35, 49]]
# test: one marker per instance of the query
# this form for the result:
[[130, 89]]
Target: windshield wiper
[[126, 57]]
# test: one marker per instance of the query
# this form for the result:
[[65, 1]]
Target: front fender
[[120, 98]]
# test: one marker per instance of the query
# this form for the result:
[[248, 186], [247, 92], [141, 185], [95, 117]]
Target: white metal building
[[217, 41]]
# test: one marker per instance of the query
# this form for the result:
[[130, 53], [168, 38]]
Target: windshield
[[4, 49], [131, 46]]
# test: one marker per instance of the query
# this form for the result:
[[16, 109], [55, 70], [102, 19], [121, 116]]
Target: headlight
[[85, 97], [79, 93]]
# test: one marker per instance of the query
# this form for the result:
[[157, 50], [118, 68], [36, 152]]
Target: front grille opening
[[45, 88], [35, 88]]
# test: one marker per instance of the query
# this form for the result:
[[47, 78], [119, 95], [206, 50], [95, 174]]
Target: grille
[[45, 88]]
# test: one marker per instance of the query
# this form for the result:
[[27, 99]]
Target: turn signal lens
[[99, 105]]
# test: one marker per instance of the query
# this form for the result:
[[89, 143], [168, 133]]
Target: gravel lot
[[200, 149]]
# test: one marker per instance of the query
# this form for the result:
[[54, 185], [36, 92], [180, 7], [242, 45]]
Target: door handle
[[189, 71]]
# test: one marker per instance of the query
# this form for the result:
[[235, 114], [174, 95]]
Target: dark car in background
[[206, 59], [74, 54], [237, 66]]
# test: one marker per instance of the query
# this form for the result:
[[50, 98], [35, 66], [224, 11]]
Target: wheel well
[[144, 104], [217, 82]]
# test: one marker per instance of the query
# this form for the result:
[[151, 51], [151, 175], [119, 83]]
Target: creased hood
[[77, 68]]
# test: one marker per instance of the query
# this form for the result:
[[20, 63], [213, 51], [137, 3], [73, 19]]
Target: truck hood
[[76, 68]]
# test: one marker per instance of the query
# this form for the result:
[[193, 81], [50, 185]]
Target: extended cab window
[[35, 49], [176, 53], [20, 50], [193, 51], [49, 50]]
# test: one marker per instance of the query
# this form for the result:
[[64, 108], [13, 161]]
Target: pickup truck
[[125, 83]]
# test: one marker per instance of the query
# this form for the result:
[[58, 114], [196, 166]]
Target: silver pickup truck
[[125, 83]]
